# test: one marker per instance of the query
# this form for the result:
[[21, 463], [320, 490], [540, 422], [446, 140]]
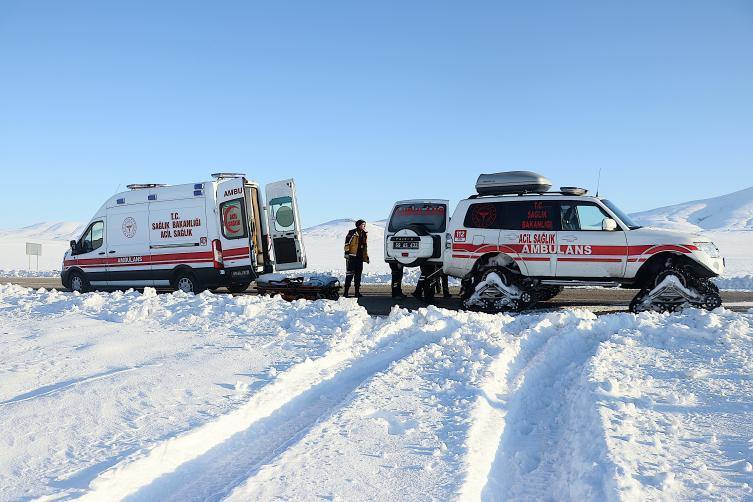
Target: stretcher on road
[[320, 287]]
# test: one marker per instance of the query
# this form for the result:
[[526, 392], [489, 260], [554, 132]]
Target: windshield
[[432, 216], [622, 216]]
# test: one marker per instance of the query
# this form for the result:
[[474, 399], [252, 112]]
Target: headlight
[[708, 248]]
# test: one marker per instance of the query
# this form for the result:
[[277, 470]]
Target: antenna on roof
[[116, 190], [597, 183]]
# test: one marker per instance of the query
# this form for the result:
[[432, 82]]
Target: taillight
[[217, 252]]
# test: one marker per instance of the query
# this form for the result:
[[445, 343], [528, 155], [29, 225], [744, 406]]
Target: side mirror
[[73, 247], [608, 224]]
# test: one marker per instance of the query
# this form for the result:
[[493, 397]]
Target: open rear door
[[285, 226], [235, 234]]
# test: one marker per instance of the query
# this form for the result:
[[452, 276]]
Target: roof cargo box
[[512, 182]]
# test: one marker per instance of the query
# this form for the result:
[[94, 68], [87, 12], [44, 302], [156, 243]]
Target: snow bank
[[128, 396], [735, 283]]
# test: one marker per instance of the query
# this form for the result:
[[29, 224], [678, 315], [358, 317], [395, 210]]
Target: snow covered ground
[[129, 396]]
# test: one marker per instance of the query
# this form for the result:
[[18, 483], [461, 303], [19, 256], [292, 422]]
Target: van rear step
[[319, 287]]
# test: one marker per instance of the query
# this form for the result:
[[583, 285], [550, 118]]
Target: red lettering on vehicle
[[234, 191]]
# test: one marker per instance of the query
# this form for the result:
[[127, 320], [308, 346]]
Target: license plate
[[405, 245]]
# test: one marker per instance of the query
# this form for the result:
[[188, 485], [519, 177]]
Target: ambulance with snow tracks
[[515, 243], [188, 237]]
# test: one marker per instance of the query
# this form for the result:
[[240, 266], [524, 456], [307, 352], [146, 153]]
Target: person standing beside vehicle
[[356, 252], [397, 280]]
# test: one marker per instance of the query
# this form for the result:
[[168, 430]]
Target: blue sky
[[364, 103]]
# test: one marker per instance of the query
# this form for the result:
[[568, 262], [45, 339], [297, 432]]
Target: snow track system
[[497, 289], [673, 289]]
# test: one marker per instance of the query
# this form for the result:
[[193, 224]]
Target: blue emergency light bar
[[121, 201], [153, 197]]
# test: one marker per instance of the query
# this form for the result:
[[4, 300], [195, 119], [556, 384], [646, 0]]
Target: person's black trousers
[[397, 278], [354, 270]]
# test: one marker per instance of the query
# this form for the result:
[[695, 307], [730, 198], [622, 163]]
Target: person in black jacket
[[356, 252]]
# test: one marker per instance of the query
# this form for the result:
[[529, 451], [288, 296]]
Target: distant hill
[[50, 230], [719, 214]]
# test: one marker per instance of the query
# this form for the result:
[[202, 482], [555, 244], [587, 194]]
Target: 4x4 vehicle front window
[[577, 216], [622, 216], [432, 216], [531, 215]]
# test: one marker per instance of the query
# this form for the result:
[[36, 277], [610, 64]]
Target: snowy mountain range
[[726, 213], [62, 231]]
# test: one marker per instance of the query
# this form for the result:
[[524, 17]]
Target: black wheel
[[78, 283], [547, 292], [238, 288], [712, 301], [188, 283]]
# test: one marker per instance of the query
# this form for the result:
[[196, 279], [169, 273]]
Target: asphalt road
[[378, 301]]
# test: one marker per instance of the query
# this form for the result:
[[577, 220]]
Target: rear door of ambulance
[[285, 226], [235, 230]]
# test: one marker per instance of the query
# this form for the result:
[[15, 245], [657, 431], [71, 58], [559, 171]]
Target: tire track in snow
[[215, 457], [540, 441]]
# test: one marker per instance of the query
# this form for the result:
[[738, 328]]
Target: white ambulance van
[[188, 237]]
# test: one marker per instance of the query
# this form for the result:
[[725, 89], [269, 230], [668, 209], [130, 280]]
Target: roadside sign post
[[35, 250]]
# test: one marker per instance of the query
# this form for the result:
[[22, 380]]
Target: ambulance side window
[[92, 238], [233, 219], [532, 215], [581, 216], [485, 215]]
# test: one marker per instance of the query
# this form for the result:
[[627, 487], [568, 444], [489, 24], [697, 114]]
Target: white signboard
[[33, 250]]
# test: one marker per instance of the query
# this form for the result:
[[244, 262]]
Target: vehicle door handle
[[110, 252], [102, 252], [511, 236], [569, 238]]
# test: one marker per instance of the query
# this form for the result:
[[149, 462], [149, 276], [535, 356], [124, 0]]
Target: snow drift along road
[[125, 396]]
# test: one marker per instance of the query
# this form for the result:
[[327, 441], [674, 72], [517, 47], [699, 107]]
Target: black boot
[[348, 278], [358, 292]]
